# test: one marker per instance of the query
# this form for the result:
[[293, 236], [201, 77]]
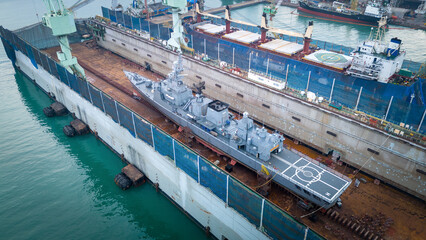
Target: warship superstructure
[[241, 139]]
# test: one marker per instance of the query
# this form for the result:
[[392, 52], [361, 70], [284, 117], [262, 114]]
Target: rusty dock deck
[[389, 212]]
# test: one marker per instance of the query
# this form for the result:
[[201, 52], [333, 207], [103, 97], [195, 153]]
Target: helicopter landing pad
[[331, 59], [309, 176]]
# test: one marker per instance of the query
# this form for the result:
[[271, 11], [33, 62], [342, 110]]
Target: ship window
[[148, 55], [296, 118], [266, 106], [113, 40], [316, 197], [123, 44], [135, 49], [298, 187], [240, 95], [217, 85], [308, 193], [164, 62]]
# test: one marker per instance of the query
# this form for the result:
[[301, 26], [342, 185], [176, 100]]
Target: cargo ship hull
[[356, 18]]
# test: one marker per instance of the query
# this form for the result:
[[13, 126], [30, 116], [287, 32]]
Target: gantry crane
[[61, 21], [178, 8]]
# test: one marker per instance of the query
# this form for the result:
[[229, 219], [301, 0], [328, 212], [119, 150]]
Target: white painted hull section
[[198, 201]]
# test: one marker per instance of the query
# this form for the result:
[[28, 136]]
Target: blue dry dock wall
[[375, 97], [140, 24], [260, 212]]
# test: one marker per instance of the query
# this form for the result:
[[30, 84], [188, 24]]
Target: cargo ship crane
[[307, 37], [61, 21], [264, 28]]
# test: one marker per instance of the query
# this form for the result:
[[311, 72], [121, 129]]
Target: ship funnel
[[393, 47]]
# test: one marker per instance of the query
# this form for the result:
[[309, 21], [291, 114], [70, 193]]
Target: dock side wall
[[389, 158]]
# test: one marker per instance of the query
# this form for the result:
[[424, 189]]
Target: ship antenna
[[199, 87], [177, 69]]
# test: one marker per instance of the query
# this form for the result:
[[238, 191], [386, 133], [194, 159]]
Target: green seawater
[[54, 187]]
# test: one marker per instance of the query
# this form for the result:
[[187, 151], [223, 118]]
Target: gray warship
[[242, 139]]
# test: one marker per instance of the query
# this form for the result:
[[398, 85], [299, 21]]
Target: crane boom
[[61, 21], [79, 4]]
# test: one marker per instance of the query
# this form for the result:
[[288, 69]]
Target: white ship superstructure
[[375, 60]]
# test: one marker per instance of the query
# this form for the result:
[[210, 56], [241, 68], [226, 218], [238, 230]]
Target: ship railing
[[370, 73], [361, 66]]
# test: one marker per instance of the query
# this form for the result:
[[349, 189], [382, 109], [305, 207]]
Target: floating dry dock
[[215, 199], [394, 152]]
